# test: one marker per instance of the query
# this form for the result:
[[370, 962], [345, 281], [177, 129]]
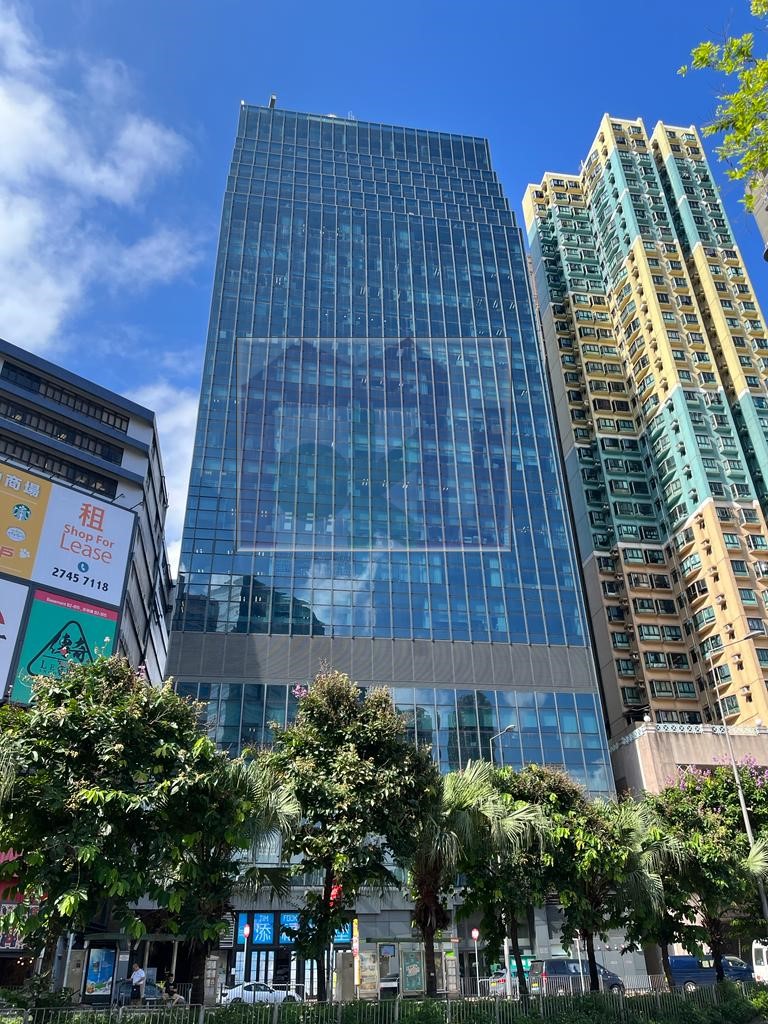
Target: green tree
[[223, 821], [464, 819], [612, 857], [741, 116], [360, 785], [112, 792], [715, 890], [87, 765], [504, 885]]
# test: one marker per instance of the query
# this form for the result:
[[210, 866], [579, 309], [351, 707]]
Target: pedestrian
[[172, 994], [137, 984]]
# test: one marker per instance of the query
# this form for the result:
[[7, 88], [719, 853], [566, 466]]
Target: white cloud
[[176, 410], [156, 258], [69, 158], [15, 50]]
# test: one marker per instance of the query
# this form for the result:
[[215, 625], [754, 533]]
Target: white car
[[257, 992]]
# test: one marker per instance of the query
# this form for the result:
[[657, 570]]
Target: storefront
[[16, 959], [264, 951]]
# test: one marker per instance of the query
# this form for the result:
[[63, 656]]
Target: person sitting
[[172, 994]]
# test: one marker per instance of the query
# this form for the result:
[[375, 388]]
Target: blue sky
[[117, 120]]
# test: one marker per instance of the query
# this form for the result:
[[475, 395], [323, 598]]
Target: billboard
[[64, 538], [61, 630], [100, 972], [13, 598]]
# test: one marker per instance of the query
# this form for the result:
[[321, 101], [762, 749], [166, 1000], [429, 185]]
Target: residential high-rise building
[[759, 190], [375, 482], [658, 361]]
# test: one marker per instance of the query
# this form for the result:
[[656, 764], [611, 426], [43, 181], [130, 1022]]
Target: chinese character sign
[[61, 631], [23, 502], [63, 538], [85, 546], [263, 933]]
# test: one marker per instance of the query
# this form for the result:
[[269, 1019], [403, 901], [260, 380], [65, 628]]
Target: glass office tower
[[375, 482]]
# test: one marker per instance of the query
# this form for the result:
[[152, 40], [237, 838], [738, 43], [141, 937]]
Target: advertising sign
[[23, 501], [263, 929], [60, 631], [343, 936], [412, 972], [9, 941], [287, 920], [69, 540], [101, 970], [13, 597], [368, 984]]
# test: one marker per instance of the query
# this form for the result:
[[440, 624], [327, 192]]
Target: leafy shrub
[[36, 992], [248, 1013], [424, 1011], [759, 999]]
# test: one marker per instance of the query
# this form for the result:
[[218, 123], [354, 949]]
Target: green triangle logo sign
[[67, 645]]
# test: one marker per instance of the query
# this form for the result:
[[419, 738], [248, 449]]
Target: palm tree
[[616, 855], [466, 812], [221, 861], [714, 904]]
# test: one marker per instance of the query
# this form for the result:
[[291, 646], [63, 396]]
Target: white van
[[760, 960]]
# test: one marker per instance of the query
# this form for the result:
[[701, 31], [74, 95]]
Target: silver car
[[257, 992]]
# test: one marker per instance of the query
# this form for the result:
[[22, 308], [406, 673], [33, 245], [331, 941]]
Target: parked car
[[561, 976], [257, 992], [497, 984], [692, 972]]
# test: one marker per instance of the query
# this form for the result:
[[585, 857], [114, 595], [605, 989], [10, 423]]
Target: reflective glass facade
[[550, 728], [375, 455]]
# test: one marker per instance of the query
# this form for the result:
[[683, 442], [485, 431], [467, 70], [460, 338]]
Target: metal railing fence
[[636, 1007]]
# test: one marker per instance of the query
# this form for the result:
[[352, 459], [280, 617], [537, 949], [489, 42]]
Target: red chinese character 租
[[92, 516]]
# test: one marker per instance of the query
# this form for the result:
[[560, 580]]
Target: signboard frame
[[53, 486]]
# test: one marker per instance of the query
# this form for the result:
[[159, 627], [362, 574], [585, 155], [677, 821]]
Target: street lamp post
[[502, 732], [735, 768], [507, 972], [246, 965], [475, 937]]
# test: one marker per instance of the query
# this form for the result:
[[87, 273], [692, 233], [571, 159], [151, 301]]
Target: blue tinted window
[[372, 309]]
